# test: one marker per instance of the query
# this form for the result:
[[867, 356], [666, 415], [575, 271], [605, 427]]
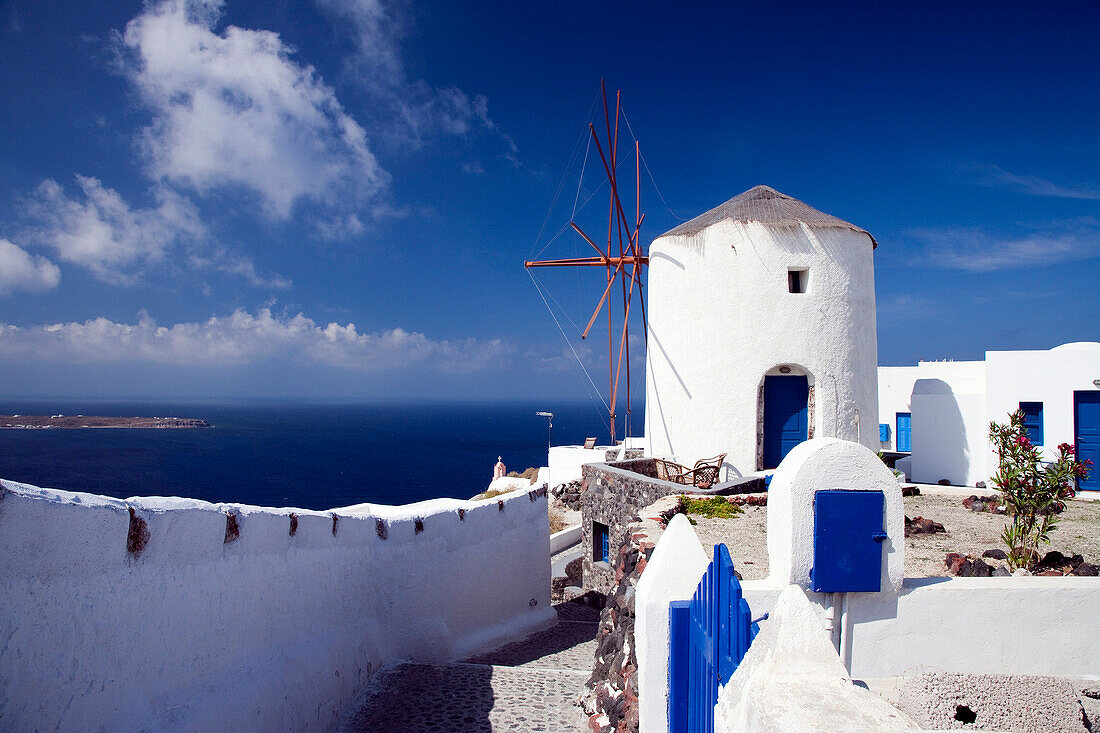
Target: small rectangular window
[[883, 432], [1033, 421], [601, 551], [796, 280]]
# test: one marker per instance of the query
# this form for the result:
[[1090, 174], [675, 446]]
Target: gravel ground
[[1078, 532]]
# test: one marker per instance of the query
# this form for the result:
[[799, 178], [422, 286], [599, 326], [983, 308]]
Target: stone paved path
[[529, 685]]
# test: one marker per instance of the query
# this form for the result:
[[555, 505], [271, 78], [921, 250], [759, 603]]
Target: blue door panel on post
[[708, 637], [786, 417], [848, 539], [1086, 431], [904, 432]]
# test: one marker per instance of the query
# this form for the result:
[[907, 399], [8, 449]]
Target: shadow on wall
[[940, 447]]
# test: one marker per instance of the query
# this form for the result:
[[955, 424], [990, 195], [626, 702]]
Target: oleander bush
[[1033, 491]]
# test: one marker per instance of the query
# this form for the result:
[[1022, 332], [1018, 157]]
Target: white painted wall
[[673, 571], [270, 632], [818, 465], [952, 404], [935, 624], [566, 461], [792, 679], [950, 427], [1049, 377], [721, 317], [895, 387]]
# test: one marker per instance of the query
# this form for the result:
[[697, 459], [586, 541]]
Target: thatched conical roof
[[765, 205]]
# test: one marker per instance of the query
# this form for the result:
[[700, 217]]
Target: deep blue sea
[[313, 456]]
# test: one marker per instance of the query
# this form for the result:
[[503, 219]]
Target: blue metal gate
[[708, 638]]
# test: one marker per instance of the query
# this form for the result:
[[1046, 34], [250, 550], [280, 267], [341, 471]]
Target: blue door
[[1086, 427], [786, 422], [848, 539], [904, 432]]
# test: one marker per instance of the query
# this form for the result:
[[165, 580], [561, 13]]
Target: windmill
[[621, 258]]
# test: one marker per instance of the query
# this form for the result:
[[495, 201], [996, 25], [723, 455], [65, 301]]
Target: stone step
[[468, 698]]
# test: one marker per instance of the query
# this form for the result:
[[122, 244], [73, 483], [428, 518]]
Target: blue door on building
[[1086, 430], [904, 432], [786, 419]]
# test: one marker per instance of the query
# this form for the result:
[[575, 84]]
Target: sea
[[311, 456]]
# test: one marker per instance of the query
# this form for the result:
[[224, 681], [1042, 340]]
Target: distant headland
[[85, 421]]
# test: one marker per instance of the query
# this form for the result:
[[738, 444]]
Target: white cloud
[[22, 271], [246, 338], [991, 175], [101, 232], [231, 108], [411, 109], [978, 250]]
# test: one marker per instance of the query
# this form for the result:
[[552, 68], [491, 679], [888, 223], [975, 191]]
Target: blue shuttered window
[[883, 432], [601, 551], [1033, 421]]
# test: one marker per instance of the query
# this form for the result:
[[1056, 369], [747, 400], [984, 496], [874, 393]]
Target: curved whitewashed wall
[[265, 632], [721, 317]]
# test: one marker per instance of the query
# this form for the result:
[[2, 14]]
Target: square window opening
[[796, 280], [601, 551], [1033, 421]]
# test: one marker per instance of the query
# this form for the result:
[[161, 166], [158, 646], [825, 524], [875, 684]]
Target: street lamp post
[[549, 424]]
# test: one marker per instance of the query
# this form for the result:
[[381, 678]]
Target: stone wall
[[613, 497], [613, 494], [612, 699]]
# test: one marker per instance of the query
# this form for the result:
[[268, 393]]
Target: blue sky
[[334, 198]]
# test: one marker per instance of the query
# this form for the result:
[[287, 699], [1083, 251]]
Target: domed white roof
[[1078, 346]]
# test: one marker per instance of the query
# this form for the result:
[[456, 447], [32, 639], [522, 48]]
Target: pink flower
[[1022, 440]]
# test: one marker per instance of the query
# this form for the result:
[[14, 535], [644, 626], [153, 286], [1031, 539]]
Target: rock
[[954, 562], [1020, 572], [980, 485], [1000, 572], [1086, 570], [1075, 561], [995, 554], [574, 570], [1052, 559], [1051, 573], [910, 491], [943, 482], [979, 569]]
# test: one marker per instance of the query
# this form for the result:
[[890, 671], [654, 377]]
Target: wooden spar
[[630, 255]]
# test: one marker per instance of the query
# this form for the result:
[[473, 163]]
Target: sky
[[333, 199]]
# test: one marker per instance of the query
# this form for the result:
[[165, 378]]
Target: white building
[[761, 333], [941, 411]]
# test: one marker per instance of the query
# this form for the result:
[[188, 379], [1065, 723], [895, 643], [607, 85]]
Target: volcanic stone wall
[[612, 699], [613, 495]]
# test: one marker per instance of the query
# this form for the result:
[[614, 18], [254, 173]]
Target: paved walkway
[[529, 685]]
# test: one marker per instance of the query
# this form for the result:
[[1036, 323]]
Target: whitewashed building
[[761, 333], [940, 411]]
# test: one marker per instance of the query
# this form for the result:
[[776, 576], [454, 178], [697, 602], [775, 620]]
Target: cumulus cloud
[[232, 108], [19, 270], [100, 231], [979, 250], [243, 338]]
